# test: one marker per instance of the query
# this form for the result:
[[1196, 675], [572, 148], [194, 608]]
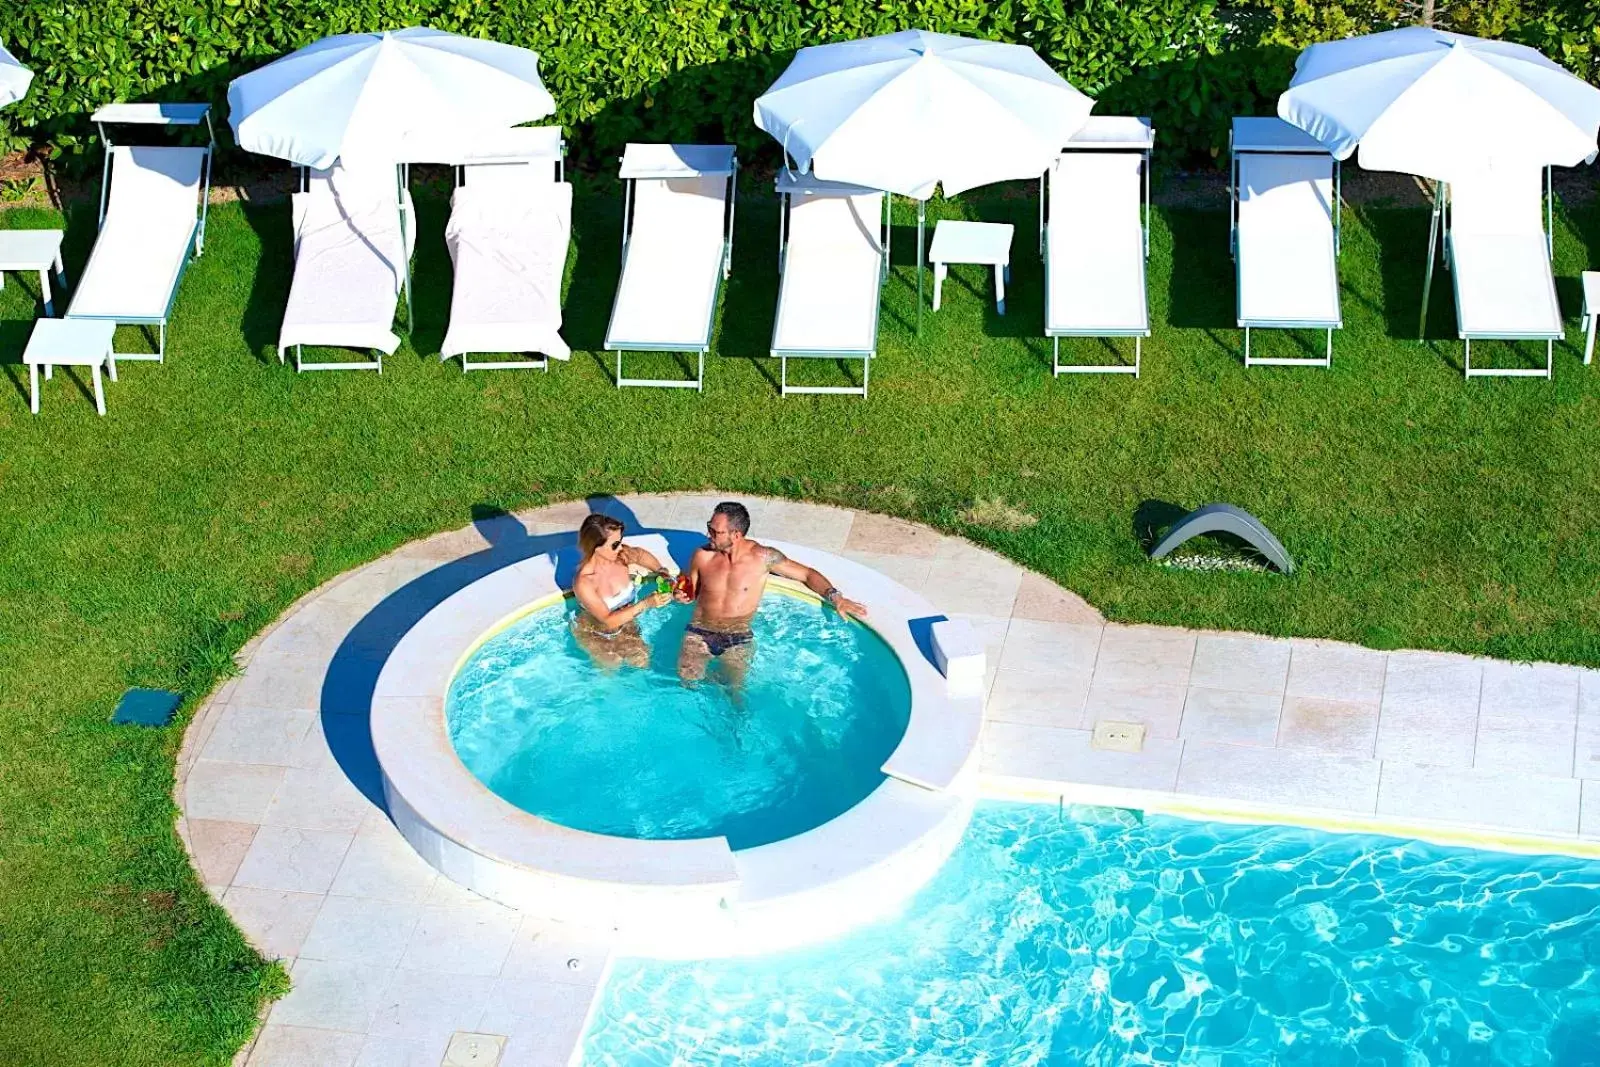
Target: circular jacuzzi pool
[[633, 752]]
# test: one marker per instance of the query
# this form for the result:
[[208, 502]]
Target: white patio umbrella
[[1427, 102], [914, 110], [362, 95], [14, 78], [1436, 104]]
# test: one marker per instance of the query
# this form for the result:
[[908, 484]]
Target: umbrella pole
[[922, 207], [1427, 279]]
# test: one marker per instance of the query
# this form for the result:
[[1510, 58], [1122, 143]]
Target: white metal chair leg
[[44, 290], [33, 388], [1588, 341], [99, 391]]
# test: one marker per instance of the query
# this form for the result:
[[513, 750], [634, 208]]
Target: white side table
[[972, 242], [37, 250], [1591, 311], [70, 343]]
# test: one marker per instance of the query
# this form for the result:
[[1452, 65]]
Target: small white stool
[[988, 243], [70, 343], [1591, 311], [36, 250]]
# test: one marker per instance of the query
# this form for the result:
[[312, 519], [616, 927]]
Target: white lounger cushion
[[832, 275], [1287, 268], [1094, 247], [151, 216], [508, 239], [1499, 258], [349, 263], [673, 265]]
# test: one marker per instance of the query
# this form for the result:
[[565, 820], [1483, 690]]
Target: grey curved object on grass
[[1225, 518]]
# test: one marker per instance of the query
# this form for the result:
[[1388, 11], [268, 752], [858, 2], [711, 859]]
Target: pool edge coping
[[495, 848]]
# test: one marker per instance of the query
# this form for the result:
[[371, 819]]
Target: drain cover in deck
[[1118, 736]]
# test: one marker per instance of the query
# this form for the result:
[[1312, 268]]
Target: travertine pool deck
[[281, 809]]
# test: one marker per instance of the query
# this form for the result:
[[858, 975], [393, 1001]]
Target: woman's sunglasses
[[616, 544]]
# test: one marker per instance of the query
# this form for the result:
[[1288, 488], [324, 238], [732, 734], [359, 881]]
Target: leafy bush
[[680, 69]]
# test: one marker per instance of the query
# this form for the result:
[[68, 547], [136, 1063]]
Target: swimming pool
[[632, 752], [1096, 936]]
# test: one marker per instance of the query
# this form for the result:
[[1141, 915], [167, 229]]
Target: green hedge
[[682, 69]]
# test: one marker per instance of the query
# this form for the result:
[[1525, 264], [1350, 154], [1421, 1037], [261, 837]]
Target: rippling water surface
[[1093, 937], [634, 752]]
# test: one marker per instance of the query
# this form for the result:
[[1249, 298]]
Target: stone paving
[[281, 807]]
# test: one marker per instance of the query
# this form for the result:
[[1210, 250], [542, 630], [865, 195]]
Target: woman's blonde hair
[[594, 531]]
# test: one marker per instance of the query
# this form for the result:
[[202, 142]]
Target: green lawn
[[147, 546]]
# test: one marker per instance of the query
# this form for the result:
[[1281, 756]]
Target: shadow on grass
[[1200, 292], [594, 267], [432, 274], [14, 335], [1401, 235], [1152, 519], [345, 705], [273, 226]]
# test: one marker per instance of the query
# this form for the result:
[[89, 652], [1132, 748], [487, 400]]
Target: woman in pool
[[606, 627]]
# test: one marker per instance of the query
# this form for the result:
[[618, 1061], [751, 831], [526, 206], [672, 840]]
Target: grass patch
[[996, 514], [145, 547]]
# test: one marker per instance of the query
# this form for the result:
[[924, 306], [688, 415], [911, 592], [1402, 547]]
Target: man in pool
[[725, 581]]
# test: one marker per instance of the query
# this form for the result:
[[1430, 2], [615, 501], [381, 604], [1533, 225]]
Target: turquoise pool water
[[1091, 937], [634, 752]]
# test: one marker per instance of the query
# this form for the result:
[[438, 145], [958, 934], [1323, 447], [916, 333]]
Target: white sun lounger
[[1094, 233], [352, 253], [152, 220], [1499, 254], [1285, 187], [677, 247], [833, 256], [509, 230]]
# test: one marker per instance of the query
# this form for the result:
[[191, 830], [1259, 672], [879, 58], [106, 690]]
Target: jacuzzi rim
[[780, 586], [484, 841]]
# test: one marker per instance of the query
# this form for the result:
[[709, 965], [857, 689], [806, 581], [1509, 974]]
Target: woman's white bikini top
[[622, 597]]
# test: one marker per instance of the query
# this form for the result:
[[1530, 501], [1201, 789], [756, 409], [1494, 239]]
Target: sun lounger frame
[[519, 147], [688, 169], [1439, 225], [155, 115], [789, 185], [402, 184], [1273, 136], [1102, 133]]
